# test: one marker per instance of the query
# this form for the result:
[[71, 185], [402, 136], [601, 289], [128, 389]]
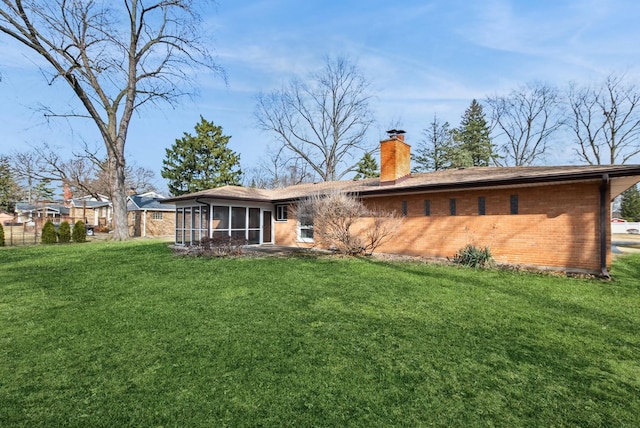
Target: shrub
[[1, 236], [64, 233], [474, 257], [49, 235], [336, 218], [79, 233]]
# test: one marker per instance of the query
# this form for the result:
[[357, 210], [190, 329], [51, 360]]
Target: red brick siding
[[556, 225]]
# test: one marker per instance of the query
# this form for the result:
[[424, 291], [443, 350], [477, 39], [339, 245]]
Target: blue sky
[[422, 58]]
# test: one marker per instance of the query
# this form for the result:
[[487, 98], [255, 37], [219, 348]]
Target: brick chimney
[[395, 158]]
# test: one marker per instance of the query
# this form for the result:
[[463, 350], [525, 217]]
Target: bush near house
[[79, 232], [64, 233], [1, 236], [49, 235], [474, 257], [336, 218]]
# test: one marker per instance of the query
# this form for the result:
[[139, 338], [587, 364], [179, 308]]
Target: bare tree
[[606, 121], [84, 173], [523, 121], [323, 121], [115, 57]]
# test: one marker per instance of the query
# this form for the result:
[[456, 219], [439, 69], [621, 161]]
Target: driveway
[[625, 243]]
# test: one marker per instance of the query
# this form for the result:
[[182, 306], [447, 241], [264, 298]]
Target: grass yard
[[126, 334]]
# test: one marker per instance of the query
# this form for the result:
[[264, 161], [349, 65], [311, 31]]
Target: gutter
[[604, 208]]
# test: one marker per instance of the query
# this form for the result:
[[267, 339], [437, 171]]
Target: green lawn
[[115, 335]]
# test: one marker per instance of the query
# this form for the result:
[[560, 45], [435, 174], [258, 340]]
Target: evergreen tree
[[437, 151], [64, 233], [630, 205], [473, 143], [9, 189], [49, 235], [42, 191], [201, 162], [79, 233], [367, 167]]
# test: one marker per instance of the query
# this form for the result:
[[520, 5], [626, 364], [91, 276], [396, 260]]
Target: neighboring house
[[554, 217], [90, 210], [96, 211], [41, 212], [147, 216]]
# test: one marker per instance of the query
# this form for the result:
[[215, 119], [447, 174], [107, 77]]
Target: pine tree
[[64, 233], [49, 235], [630, 205], [437, 151], [367, 168], [201, 162], [9, 189], [79, 232], [473, 142]]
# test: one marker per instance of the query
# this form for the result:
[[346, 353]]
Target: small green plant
[[474, 257], [1, 236], [79, 233], [49, 235], [64, 233]]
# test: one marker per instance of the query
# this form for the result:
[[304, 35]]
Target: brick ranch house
[[553, 217], [148, 216]]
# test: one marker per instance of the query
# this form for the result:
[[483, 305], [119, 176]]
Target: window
[[514, 204], [305, 228], [427, 207], [192, 224], [452, 206], [281, 213], [156, 215], [481, 206], [404, 208]]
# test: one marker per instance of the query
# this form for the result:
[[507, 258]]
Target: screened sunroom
[[253, 223]]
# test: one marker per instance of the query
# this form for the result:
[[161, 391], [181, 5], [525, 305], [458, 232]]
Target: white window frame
[[300, 228], [282, 212]]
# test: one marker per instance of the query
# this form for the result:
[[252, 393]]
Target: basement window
[[281, 213], [481, 206], [452, 206], [513, 203], [427, 207]]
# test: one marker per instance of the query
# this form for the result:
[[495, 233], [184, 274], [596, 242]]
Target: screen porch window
[[192, 224], [240, 223]]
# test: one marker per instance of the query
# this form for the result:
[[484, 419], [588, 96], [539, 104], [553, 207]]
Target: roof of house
[[87, 203], [620, 176], [52, 207], [148, 201]]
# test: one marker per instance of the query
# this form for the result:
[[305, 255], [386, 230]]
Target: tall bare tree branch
[[115, 57], [605, 121], [323, 121]]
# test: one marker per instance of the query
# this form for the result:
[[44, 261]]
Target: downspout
[[604, 206]]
